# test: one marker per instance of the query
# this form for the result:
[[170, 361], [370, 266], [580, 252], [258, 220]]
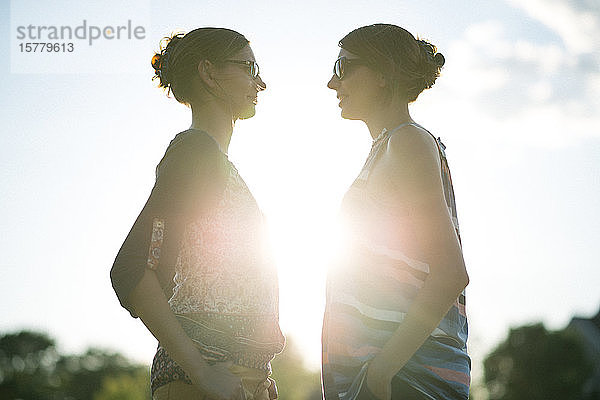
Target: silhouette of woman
[[193, 267], [395, 324]]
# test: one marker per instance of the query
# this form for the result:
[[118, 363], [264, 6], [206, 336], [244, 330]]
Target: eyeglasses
[[252, 66], [339, 68]]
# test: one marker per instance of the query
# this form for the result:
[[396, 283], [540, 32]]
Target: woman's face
[[360, 91], [239, 88]]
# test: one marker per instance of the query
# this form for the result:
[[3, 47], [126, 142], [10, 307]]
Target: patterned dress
[[204, 235], [370, 291], [225, 293]]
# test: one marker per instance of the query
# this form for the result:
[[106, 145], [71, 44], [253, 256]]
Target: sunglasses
[[339, 68], [252, 66]]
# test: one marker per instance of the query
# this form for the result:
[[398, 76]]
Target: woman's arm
[[149, 303], [413, 186]]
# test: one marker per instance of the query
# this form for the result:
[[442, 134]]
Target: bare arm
[[411, 169], [149, 303]]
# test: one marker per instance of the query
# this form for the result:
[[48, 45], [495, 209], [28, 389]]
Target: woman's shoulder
[[191, 151], [408, 171], [412, 140], [190, 140], [412, 147]]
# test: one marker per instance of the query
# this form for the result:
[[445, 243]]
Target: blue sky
[[517, 106]]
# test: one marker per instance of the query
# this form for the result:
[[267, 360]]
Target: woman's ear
[[205, 72]]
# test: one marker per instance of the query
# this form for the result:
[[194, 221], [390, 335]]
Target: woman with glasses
[[395, 325], [194, 267]]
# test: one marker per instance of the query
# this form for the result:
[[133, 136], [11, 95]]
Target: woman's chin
[[248, 112], [347, 114]]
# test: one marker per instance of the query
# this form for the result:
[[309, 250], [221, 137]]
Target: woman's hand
[[218, 382], [379, 379], [150, 304], [262, 390]]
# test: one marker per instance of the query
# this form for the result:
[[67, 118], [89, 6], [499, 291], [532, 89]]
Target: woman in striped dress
[[395, 325]]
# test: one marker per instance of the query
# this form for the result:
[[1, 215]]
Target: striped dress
[[370, 290]]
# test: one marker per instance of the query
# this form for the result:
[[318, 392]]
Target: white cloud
[[540, 91], [484, 32], [546, 125], [486, 60], [577, 23], [594, 85], [488, 44], [548, 58], [471, 72], [469, 75], [534, 90]]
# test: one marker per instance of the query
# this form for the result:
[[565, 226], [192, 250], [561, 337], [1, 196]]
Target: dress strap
[[438, 141], [380, 142], [394, 130]]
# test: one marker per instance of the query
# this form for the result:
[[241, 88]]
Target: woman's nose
[[260, 84], [333, 83]]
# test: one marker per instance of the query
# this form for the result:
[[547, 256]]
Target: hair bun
[[439, 59], [160, 59], [156, 61]]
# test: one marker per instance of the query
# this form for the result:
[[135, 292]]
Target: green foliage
[[125, 387], [32, 369], [84, 375], [27, 366], [294, 380], [534, 363]]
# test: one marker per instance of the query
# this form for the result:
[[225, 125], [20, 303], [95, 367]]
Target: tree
[[125, 387], [85, 375], [32, 369], [27, 362], [533, 363]]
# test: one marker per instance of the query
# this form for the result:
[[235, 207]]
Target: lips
[[341, 98], [253, 99]]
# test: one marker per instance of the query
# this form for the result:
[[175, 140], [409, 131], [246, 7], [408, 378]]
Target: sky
[[517, 105]]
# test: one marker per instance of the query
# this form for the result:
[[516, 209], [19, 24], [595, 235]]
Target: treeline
[[31, 368], [532, 363]]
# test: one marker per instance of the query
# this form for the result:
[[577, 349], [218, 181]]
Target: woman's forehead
[[347, 54], [245, 54]]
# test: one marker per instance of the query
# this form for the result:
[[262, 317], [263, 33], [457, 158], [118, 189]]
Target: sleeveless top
[[225, 291], [370, 291]]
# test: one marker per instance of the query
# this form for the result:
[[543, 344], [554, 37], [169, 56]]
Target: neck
[[215, 121], [388, 118]]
